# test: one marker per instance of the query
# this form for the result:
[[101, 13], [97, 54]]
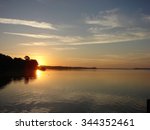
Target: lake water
[[76, 91]]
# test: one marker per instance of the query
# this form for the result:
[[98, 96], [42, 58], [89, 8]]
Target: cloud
[[112, 38], [35, 24], [64, 48], [105, 19], [30, 35], [147, 18], [112, 26], [34, 44], [109, 26], [113, 20], [93, 39], [44, 44], [68, 39], [56, 38]]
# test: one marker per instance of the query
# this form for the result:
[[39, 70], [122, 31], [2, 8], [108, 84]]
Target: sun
[[41, 60]]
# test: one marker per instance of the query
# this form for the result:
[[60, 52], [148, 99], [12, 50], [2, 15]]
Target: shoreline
[[43, 68]]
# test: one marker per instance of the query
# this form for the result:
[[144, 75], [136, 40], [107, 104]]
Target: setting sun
[[41, 60]]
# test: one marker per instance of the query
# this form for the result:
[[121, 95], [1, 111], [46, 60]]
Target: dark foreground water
[[76, 91]]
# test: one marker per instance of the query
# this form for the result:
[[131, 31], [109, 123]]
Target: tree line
[[9, 63]]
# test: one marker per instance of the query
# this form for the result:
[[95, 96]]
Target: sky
[[100, 33]]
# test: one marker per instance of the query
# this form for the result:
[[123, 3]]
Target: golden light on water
[[38, 73]]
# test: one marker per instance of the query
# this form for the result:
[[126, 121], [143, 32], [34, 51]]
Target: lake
[[76, 91]]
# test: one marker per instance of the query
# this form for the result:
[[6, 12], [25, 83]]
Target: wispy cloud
[[64, 48], [112, 26], [111, 38], [56, 38], [44, 44], [105, 19], [147, 17], [93, 39], [109, 26], [35, 24], [34, 44], [40, 36]]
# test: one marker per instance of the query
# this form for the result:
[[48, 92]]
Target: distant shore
[[64, 68], [125, 68], [82, 68], [8, 63]]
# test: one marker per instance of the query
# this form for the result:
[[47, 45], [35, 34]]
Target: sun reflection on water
[[39, 73]]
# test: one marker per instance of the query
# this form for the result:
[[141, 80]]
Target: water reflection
[[8, 77], [75, 91]]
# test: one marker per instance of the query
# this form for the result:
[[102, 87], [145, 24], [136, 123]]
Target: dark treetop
[[13, 64]]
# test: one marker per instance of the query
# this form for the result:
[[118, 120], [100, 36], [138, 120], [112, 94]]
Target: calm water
[[76, 91]]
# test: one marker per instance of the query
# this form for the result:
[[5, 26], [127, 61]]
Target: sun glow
[[41, 60], [38, 73]]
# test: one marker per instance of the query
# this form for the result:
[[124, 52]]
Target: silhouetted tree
[[8, 63], [27, 58]]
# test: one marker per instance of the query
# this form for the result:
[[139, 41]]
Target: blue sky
[[101, 33]]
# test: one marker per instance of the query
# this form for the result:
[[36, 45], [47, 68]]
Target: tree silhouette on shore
[[27, 58], [9, 63]]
